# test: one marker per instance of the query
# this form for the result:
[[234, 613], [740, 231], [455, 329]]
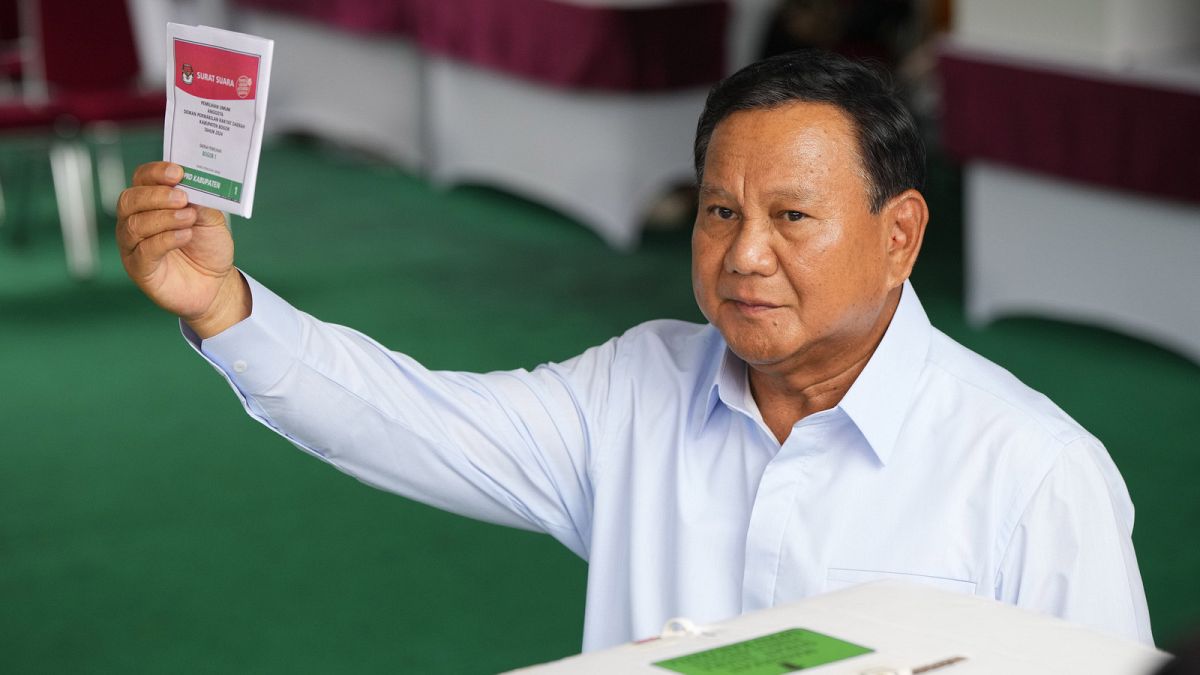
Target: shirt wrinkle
[[479, 469], [1060, 433], [1021, 503]]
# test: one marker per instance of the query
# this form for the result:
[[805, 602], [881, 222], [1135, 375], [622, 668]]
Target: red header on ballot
[[214, 73]]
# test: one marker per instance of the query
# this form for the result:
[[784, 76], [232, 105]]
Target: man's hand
[[181, 256]]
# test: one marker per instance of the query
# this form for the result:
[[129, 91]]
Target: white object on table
[[909, 627]]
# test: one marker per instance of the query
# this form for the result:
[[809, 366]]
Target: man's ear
[[905, 217]]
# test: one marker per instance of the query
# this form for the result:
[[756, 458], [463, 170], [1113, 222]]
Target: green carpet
[[148, 525]]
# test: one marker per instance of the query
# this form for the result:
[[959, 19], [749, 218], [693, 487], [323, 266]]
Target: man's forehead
[[818, 128], [796, 114], [799, 138]]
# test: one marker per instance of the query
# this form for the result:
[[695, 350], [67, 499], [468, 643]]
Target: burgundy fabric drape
[[90, 79], [586, 47], [1108, 132]]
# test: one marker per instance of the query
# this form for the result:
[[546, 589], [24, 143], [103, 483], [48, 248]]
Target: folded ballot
[[879, 628], [217, 84]]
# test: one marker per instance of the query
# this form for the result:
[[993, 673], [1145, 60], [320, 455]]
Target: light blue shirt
[[648, 457]]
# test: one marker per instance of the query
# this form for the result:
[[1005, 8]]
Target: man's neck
[[784, 397]]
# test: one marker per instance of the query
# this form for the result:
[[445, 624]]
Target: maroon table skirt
[[1105, 131], [617, 49]]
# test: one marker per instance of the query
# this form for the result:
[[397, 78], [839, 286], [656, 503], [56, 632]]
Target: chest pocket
[[837, 578]]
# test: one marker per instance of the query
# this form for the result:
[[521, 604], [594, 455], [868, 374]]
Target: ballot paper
[[217, 84], [878, 628]]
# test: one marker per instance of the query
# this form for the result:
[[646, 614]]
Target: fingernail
[[174, 172], [178, 198], [183, 234], [183, 214]]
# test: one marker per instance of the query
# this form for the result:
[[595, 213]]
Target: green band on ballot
[[213, 185]]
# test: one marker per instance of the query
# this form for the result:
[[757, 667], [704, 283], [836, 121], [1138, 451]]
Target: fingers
[[151, 250], [147, 210], [158, 173], [154, 217], [149, 198], [140, 226]]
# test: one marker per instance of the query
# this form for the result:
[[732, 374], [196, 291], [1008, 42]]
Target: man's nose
[[751, 252]]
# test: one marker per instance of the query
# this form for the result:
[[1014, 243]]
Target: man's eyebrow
[[797, 193], [709, 190]]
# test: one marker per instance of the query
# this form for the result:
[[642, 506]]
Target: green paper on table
[[774, 654]]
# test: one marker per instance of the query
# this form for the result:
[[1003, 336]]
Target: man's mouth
[[752, 305]]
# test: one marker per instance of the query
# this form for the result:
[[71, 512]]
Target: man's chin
[[757, 356]]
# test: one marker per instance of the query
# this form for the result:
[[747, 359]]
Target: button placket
[[774, 509]]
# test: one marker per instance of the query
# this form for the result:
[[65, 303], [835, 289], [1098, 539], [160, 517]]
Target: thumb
[[209, 217]]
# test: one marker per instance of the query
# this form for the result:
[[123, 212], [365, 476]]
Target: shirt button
[[239, 366]]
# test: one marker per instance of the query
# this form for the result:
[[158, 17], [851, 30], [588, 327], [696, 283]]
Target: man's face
[[788, 261]]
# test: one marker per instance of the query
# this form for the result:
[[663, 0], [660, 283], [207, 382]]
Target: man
[[818, 433]]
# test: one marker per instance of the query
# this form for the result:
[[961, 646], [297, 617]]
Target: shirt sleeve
[[507, 447], [1071, 554]]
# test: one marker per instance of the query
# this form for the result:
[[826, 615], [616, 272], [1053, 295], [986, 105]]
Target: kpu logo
[[188, 73], [243, 86]]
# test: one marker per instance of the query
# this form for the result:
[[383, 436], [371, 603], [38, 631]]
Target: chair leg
[[72, 169], [15, 202], [110, 167]]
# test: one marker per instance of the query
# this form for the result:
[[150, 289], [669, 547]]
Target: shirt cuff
[[255, 353]]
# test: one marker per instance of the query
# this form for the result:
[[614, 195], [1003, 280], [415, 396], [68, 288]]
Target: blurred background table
[[1079, 128]]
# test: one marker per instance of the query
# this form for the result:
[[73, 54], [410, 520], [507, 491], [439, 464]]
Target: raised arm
[[513, 448]]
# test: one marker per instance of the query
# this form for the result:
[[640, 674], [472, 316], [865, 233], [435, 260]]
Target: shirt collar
[[880, 397], [731, 386]]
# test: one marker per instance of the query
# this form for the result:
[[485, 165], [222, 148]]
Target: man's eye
[[721, 212], [794, 216]]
